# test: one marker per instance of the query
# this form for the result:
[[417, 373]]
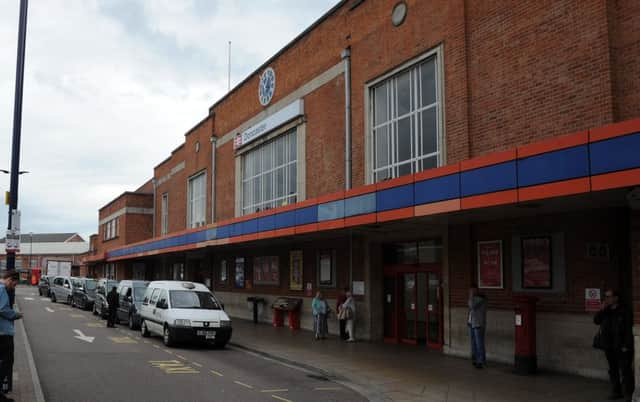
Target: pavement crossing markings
[[122, 339], [280, 398], [216, 373], [243, 384], [173, 367], [181, 357], [196, 364], [271, 391]]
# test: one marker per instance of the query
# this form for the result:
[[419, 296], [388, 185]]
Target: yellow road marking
[[216, 373], [196, 364], [173, 367], [327, 389], [243, 384], [180, 357], [280, 398], [274, 390], [122, 339]]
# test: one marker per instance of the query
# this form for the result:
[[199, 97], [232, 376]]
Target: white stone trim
[[126, 210], [171, 173]]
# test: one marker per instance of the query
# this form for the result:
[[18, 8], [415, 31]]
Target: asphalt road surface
[[120, 365]]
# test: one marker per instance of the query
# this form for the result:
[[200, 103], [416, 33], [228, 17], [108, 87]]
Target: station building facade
[[409, 150]]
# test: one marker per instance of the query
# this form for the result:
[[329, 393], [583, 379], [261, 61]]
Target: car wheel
[[167, 339], [143, 330], [53, 298], [72, 302], [131, 323]]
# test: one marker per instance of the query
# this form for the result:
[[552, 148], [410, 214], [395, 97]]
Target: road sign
[[13, 241]]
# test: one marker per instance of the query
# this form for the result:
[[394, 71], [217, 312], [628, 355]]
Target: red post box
[[525, 335], [278, 317]]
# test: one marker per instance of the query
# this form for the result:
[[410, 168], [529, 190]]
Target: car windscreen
[[90, 285], [138, 293], [110, 285], [191, 299]]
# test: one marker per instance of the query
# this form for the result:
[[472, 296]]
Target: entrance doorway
[[413, 305]]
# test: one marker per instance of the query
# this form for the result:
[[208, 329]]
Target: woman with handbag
[[348, 312], [320, 310], [615, 337]]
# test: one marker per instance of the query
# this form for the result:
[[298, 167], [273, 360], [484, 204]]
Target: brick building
[[409, 150]]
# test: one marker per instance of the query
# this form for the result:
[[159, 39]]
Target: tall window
[[164, 226], [111, 229], [197, 201], [269, 174], [405, 121]]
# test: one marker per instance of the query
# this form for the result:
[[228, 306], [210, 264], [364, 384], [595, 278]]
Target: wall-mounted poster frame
[[326, 269], [490, 267], [537, 260], [296, 270], [266, 270], [239, 273], [224, 276]]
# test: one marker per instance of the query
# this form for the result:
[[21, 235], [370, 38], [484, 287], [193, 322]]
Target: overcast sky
[[111, 86]]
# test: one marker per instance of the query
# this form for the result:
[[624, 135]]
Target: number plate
[[206, 334]]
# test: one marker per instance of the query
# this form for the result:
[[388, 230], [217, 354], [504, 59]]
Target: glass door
[[409, 309], [434, 311]]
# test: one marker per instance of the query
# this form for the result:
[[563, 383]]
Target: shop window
[[223, 272], [164, 226], [266, 270], [197, 201], [538, 263], [422, 252], [239, 273], [326, 269], [269, 174], [405, 121]]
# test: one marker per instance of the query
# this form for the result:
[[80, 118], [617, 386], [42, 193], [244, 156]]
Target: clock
[[267, 86]]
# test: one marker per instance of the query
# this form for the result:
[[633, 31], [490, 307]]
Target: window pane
[[267, 186], [405, 169], [280, 150], [293, 144], [293, 188], [403, 146], [428, 82], [403, 93], [430, 162], [429, 131], [280, 183], [380, 102], [382, 147], [382, 175]]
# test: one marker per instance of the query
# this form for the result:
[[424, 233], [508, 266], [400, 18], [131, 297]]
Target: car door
[[57, 285], [67, 289], [100, 296], [152, 323], [160, 314], [123, 303]]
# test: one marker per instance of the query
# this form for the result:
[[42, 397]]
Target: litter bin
[[256, 301], [290, 306]]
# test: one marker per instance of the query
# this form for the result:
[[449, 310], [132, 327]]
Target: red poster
[[490, 264], [536, 263]]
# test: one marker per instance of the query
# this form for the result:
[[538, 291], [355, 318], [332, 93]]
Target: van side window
[[154, 296], [163, 296], [147, 296], [123, 291]]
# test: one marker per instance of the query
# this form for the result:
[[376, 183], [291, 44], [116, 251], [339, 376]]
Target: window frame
[[438, 54], [164, 214], [191, 203]]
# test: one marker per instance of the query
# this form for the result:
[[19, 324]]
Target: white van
[[183, 311]]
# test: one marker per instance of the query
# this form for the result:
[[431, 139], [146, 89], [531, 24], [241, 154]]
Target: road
[[119, 365]]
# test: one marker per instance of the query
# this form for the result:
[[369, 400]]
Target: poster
[[266, 270], [295, 270], [325, 269], [308, 290], [239, 277], [592, 301], [358, 288], [223, 271], [536, 263], [490, 264]]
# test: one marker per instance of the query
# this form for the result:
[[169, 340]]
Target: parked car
[[184, 311], [131, 294], [100, 305], [62, 289], [44, 285], [84, 293]]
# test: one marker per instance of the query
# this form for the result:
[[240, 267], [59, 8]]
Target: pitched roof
[[45, 237]]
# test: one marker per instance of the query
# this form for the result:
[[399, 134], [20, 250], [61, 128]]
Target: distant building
[[38, 248]]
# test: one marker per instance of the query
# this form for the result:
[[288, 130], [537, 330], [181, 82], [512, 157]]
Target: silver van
[[61, 289]]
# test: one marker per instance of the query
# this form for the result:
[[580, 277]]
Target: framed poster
[[490, 270], [266, 270], [295, 270], [536, 262], [223, 271], [326, 269], [239, 277]]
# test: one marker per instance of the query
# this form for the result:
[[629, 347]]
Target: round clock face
[[267, 86]]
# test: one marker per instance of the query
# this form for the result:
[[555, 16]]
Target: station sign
[[284, 115]]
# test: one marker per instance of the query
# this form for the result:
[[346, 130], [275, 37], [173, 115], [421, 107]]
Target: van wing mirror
[[66, 285], [162, 304], [129, 299]]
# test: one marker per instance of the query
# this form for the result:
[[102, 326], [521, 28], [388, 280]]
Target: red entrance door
[[413, 307]]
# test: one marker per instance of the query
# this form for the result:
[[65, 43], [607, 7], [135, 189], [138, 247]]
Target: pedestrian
[[349, 315], [343, 322], [319, 309], [616, 339], [476, 321], [113, 303], [8, 281]]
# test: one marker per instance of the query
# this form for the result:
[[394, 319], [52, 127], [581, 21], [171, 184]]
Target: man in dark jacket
[[114, 303], [616, 338]]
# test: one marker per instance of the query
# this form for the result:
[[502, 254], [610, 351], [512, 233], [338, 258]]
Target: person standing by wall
[[114, 303], [7, 316], [476, 321], [343, 322], [349, 314], [319, 310], [616, 339]]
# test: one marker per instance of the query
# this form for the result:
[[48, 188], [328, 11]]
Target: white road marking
[[280, 398], [83, 337], [327, 389], [216, 373], [271, 391], [28, 298], [44, 299], [196, 364], [49, 309], [243, 384]]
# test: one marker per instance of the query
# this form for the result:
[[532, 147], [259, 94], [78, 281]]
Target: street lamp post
[[30, 248]]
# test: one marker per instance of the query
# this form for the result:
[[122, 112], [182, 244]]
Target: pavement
[[387, 372]]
